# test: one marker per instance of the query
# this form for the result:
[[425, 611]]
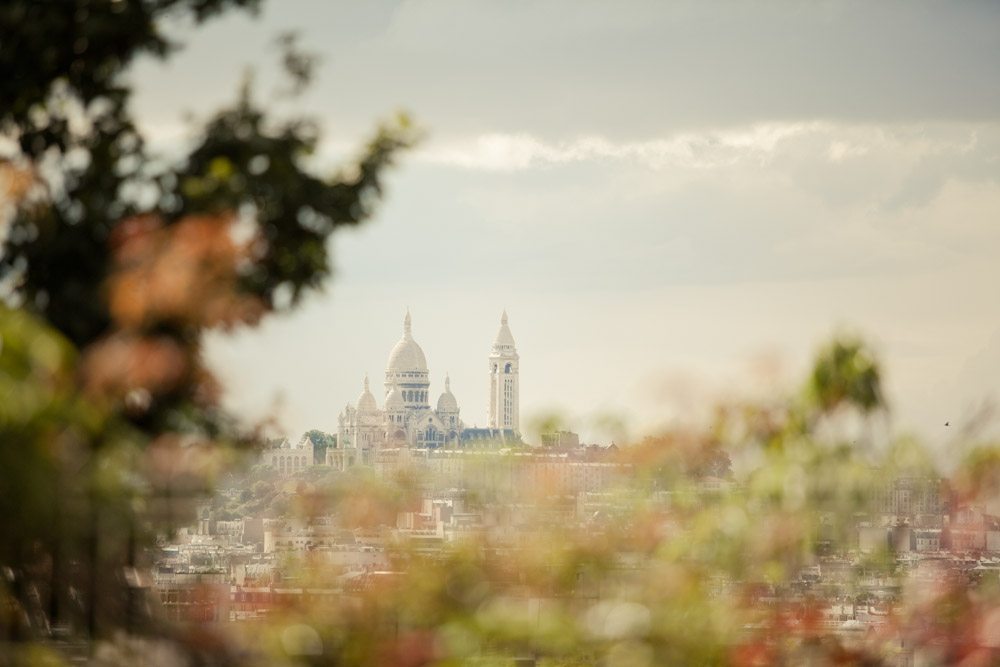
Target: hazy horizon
[[672, 202]]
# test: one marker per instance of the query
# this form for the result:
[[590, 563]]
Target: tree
[[845, 374], [115, 264], [320, 443]]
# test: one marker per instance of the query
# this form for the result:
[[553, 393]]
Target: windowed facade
[[408, 418], [504, 399]]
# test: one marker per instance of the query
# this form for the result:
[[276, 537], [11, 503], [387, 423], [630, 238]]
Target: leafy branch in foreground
[[115, 263]]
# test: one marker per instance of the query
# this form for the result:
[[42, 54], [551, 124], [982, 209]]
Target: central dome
[[406, 356]]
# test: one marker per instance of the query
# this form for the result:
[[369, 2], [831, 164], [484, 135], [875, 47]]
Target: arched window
[[506, 369]]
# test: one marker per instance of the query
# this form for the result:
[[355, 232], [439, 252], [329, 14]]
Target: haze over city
[[700, 209]]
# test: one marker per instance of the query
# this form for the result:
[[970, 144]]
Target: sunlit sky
[[675, 202]]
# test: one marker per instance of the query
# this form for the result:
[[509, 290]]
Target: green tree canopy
[[115, 261]]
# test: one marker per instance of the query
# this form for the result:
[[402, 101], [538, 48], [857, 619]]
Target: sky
[[676, 202]]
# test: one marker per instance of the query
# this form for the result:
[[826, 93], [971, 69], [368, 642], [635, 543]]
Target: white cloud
[[754, 146], [841, 150], [692, 150]]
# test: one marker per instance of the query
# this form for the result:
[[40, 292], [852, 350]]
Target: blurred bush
[[115, 263]]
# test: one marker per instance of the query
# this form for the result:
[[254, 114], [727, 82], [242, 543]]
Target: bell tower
[[504, 410]]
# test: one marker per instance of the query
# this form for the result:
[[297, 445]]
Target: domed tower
[[447, 412], [406, 371], [361, 430], [366, 401], [504, 410]]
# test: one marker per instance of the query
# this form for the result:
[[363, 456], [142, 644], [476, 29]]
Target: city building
[[506, 474], [288, 458], [920, 500], [504, 409], [561, 440], [407, 419]]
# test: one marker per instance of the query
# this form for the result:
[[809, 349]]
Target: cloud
[[840, 150], [690, 150], [907, 163]]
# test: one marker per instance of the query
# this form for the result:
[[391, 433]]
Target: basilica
[[406, 418]]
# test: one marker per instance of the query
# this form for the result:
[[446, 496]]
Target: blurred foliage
[[846, 373], [114, 264], [693, 560]]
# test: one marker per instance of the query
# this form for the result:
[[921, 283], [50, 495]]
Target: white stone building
[[287, 458], [407, 419], [504, 408]]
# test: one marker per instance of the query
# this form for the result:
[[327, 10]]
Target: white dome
[[366, 401], [394, 401], [406, 355], [447, 402]]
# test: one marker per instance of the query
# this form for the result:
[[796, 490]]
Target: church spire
[[406, 325], [366, 401], [504, 341], [504, 400]]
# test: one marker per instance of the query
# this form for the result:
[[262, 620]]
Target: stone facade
[[408, 420]]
